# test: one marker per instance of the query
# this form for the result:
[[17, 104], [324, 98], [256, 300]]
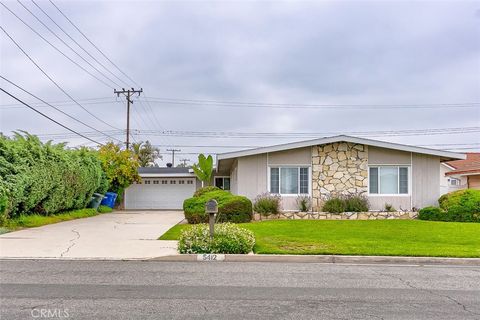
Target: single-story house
[[461, 174], [404, 176]]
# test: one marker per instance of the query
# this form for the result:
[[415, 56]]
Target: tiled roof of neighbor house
[[164, 171], [469, 165], [447, 155]]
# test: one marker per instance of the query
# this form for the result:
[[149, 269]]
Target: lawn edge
[[334, 259]]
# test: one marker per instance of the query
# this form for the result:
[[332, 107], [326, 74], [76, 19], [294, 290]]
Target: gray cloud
[[285, 52]]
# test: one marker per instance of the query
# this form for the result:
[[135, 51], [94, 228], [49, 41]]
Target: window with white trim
[[454, 181], [289, 180], [222, 183], [388, 180]]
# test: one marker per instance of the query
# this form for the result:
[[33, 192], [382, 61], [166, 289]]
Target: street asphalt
[[59, 289]]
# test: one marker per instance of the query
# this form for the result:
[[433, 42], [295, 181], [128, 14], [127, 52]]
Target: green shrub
[[204, 190], [356, 203], [431, 213], [104, 209], [334, 205], [228, 239], [468, 198], [303, 203], [231, 208], [45, 178], [267, 204], [389, 207]]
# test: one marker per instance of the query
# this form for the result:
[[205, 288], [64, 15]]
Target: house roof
[[468, 166], [447, 155], [164, 172]]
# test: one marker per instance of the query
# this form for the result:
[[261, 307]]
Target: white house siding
[[252, 175], [425, 188]]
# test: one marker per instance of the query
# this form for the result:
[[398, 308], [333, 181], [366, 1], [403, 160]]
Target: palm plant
[[204, 169]]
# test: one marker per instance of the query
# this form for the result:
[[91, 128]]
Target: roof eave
[[447, 155]]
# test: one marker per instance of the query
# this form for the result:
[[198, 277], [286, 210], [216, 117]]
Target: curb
[[326, 259]]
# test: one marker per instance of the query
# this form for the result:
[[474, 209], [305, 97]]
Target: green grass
[[35, 220], [104, 209], [370, 237]]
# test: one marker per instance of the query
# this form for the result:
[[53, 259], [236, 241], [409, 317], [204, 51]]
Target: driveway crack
[[72, 242]]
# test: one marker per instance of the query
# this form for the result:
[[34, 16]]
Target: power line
[[61, 102], [205, 103], [53, 81], [55, 121], [67, 45], [98, 49], [54, 47], [226, 134], [59, 110], [80, 46]]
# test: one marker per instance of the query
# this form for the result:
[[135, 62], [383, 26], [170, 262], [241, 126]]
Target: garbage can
[[95, 201], [109, 199]]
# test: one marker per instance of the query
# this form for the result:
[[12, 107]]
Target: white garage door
[[159, 193]]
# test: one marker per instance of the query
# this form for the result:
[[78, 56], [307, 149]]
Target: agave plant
[[203, 169]]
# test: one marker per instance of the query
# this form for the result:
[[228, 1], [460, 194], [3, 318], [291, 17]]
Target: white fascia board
[[369, 142], [167, 175]]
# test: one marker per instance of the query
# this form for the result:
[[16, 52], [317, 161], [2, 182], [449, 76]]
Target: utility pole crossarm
[[173, 155], [128, 95]]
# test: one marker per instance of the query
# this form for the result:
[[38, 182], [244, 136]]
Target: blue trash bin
[[109, 199]]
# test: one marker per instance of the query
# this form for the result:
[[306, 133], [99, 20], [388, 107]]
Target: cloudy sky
[[248, 73]]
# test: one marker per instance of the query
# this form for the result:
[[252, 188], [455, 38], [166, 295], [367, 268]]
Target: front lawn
[[361, 237], [36, 220]]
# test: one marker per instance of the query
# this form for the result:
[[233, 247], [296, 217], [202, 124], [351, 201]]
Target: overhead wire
[[49, 118], [54, 107], [53, 81]]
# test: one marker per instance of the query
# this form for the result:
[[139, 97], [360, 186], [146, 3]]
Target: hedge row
[[45, 178], [460, 206], [231, 208]]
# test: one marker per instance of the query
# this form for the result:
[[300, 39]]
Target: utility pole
[[128, 94], [184, 162], [173, 155]]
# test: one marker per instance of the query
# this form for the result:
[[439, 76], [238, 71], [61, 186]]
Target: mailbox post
[[211, 207]]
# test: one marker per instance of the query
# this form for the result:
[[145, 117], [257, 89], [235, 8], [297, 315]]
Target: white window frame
[[409, 175], [457, 184], [298, 181], [223, 182]]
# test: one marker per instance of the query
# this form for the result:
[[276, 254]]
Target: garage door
[[159, 193]]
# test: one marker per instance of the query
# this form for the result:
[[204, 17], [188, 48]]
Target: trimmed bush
[[356, 203], [231, 208], [389, 207], [431, 213], [334, 205], [467, 198], [204, 190], [267, 204], [458, 206], [228, 239]]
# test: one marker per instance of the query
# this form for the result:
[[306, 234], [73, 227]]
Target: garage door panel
[[159, 196]]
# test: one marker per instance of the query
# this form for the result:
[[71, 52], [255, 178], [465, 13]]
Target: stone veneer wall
[[339, 168], [371, 215]]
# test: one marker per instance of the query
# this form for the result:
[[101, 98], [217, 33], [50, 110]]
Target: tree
[[146, 153], [203, 169], [120, 166]]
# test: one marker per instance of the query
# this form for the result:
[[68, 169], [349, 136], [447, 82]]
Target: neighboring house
[[404, 176], [462, 174], [450, 183]]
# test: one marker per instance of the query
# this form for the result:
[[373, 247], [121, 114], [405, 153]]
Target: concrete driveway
[[118, 235]]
